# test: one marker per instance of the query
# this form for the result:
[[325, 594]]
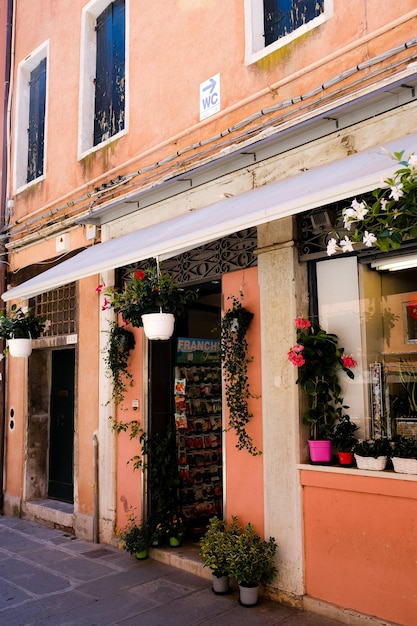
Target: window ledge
[[353, 471]]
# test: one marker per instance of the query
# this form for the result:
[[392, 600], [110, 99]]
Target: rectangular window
[[282, 17], [273, 24], [109, 115], [36, 128]]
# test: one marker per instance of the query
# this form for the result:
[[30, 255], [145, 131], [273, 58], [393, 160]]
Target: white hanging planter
[[20, 347], [158, 325]]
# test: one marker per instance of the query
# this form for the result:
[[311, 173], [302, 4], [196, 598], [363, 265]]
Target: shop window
[[103, 93], [271, 24], [31, 116], [391, 332]]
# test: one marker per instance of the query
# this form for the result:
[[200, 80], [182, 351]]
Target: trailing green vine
[[234, 348], [121, 342]]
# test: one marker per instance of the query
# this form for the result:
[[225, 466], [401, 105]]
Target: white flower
[[396, 191], [346, 244], [357, 206], [369, 239], [25, 310], [349, 216], [332, 247], [412, 161], [361, 211], [384, 203]]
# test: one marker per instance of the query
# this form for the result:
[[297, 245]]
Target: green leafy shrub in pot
[[403, 447], [216, 545], [134, 537], [252, 560], [343, 435]]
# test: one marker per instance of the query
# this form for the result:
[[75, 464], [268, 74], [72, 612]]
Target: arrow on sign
[[210, 86]]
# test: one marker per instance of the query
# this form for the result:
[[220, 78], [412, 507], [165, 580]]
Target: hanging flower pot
[[158, 325], [20, 347]]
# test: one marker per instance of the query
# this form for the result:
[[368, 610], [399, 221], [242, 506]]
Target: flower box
[[404, 466], [371, 463]]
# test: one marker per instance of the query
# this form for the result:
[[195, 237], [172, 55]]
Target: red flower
[[99, 288], [300, 322], [295, 356], [349, 362], [139, 274], [106, 304]]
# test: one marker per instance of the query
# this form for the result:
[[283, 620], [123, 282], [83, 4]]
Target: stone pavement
[[48, 577]]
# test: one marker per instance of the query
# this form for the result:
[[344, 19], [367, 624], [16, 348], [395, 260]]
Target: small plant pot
[[220, 584], [320, 451], [248, 595], [346, 458], [174, 542], [20, 347], [371, 463], [404, 466], [158, 326], [143, 554]]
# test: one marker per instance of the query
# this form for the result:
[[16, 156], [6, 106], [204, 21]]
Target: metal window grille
[[59, 307]]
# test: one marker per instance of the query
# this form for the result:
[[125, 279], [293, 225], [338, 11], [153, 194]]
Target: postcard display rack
[[198, 422]]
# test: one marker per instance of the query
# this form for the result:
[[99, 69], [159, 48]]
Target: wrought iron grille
[[208, 262], [59, 307]]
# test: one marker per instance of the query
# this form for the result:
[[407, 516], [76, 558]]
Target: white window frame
[[21, 143], [255, 48], [87, 78]]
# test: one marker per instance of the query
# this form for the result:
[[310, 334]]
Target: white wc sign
[[210, 97]]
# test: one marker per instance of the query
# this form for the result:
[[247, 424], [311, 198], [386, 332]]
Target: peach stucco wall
[[128, 479], [244, 473], [360, 542]]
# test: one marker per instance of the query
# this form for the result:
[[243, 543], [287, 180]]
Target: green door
[[61, 435]]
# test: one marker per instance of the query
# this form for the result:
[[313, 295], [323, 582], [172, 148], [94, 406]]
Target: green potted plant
[[372, 453], [404, 454], [175, 529], [134, 537], [215, 549], [252, 562], [150, 299], [19, 327], [344, 439], [319, 359]]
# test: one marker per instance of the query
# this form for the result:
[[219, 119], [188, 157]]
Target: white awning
[[319, 186]]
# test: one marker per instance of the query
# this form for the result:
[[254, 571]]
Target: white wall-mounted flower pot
[[20, 347], [158, 325]]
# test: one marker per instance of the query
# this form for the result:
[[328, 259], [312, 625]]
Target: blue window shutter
[[282, 17], [109, 117], [36, 129]]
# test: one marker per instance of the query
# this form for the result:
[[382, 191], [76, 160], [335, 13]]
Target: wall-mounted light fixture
[[395, 263]]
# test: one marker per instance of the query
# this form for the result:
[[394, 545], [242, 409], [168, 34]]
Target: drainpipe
[[95, 510], [3, 209]]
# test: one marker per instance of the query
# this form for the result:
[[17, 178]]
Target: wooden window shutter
[[109, 117], [36, 130]]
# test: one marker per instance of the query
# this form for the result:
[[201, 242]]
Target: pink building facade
[[225, 153]]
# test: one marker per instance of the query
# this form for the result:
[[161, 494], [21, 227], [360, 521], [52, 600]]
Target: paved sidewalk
[[48, 577]]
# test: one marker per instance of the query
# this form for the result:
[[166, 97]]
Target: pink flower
[[300, 322], [106, 304], [349, 362], [99, 288], [295, 356]]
